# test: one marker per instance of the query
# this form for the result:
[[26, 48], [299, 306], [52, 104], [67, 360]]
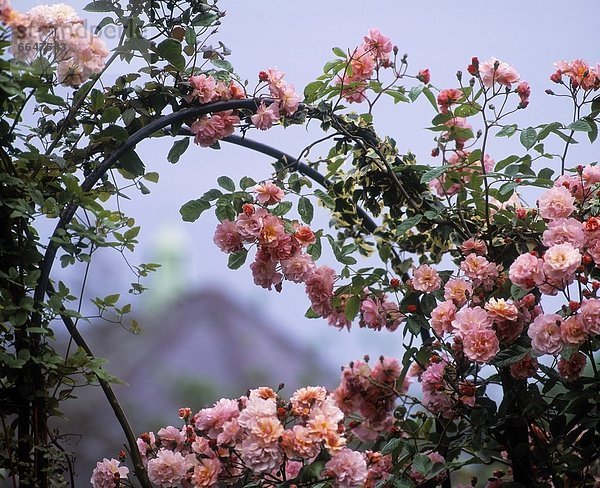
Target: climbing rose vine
[[487, 262]]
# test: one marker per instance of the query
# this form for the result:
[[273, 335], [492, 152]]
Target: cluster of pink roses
[[372, 54], [579, 72], [256, 435], [208, 129], [279, 253], [371, 393], [490, 73], [286, 98], [571, 244], [57, 33]]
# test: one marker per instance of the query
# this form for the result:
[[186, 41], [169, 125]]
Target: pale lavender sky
[[297, 37]]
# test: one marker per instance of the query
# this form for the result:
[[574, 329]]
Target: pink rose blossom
[[442, 317], [272, 231], [319, 288], [561, 262], [204, 88], [227, 238], [426, 279], [168, 468], [560, 231], [268, 193], [304, 235], [573, 331], [378, 45], [206, 472], [250, 226], [545, 334], [208, 130], [578, 188], [265, 117], [361, 64], [211, 420], [107, 473], [524, 91], [591, 174], [556, 203], [480, 345], [500, 309], [473, 246], [264, 272], [298, 268], [386, 370], [171, 437], [572, 368], [447, 98], [258, 455], [289, 100], [470, 319], [590, 315], [353, 91], [526, 271], [525, 368], [458, 290], [348, 468], [494, 71]]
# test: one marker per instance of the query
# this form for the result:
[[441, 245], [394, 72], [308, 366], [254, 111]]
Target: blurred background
[[208, 332]]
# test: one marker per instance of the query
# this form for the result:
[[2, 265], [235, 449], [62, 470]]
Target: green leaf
[[96, 99], [315, 249], [177, 150], [312, 90], [110, 115], [205, 20], [132, 163], [226, 183], [415, 323], [222, 64], [49, 99], [325, 198], [510, 355], [281, 209], [593, 134], [422, 464], [170, 49], [247, 182], [431, 97], [191, 210], [415, 91], [528, 137], [580, 125], [153, 177], [467, 109], [352, 307], [408, 224], [311, 314], [101, 6], [225, 211], [237, 259], [306, 210], [433, 173], [211, 195], [339, 52], [507, 130]]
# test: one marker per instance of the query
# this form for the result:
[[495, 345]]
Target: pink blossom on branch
[[107, 473], [494, 71], [268, 193], [265, 117]]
